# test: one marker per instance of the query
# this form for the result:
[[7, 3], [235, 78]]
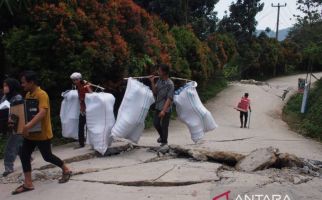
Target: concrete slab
[[75, 190], [258, 159], [170, 171]]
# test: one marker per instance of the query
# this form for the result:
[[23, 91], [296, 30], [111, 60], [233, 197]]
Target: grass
[[310, 123]]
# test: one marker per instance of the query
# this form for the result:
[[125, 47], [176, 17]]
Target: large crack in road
[[227, 161]]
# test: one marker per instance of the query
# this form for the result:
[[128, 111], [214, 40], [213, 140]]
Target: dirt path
[[139, 173]]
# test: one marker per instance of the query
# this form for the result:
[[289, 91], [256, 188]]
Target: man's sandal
[[21, 189], [65, 177]]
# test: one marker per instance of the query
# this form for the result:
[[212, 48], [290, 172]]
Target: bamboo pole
[[146, 77]]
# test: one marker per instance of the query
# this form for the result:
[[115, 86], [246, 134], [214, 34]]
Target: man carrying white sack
[[163, 89], [82, 87]]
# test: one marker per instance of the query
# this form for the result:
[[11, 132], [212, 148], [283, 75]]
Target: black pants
[[162, 125], [81, 131], [28, 146], [242, 116]]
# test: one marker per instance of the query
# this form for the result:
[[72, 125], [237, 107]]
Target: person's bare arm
[[153, 85], [165, 108]]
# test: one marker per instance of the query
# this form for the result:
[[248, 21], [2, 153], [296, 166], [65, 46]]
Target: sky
[[268, 17]]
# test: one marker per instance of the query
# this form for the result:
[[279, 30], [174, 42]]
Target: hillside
[[283, 33]]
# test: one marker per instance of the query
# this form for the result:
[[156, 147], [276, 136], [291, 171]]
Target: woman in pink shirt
[[244, 106]]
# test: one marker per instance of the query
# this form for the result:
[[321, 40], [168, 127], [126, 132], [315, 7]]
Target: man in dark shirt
[[164, 91]]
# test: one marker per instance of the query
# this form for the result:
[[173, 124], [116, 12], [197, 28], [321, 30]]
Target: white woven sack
[[99, 120], [69, 114], [133, 110], [192, 112]]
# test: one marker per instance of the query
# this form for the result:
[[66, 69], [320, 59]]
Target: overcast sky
[[268, 17]]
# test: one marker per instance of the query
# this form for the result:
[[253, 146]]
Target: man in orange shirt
[[82, 87], [40, 139]]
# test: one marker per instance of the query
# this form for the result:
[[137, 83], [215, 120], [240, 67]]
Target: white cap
[[76, 75]]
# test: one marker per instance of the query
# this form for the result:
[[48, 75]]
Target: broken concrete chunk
[[164, 149], [311, 165], [229, 158], [253, 82], [118, 150], [197, 155], [305, 170], [300, 179], [288, 160], [258, 159]]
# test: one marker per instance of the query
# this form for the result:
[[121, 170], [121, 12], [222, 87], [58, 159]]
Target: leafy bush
[[310, 123], [102, 40], [196, 54]]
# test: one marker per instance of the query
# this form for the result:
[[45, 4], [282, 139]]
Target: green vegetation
[[306, 40], [214, 87], [310, 123]]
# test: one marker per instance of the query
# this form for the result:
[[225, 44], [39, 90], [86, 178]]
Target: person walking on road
[[11, 89], [244, 107], [163, 89], [40, 139]]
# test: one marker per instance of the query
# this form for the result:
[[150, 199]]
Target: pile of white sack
[[192, 112], [132, 113]]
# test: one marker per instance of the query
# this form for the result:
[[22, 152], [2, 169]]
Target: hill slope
[[283, 33]]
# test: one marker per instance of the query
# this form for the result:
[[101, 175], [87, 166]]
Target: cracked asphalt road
[[138, 173], [266, 129]]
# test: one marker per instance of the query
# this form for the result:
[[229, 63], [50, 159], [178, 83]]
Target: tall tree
[[311, 10], [307, 33], [199, 14], [241, 21]]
